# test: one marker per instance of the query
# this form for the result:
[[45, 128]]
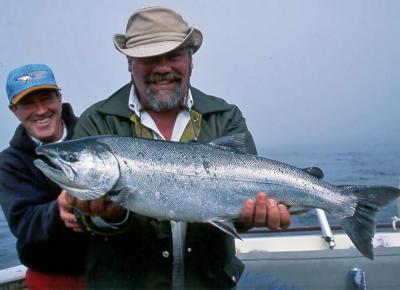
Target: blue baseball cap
[[28, 78]]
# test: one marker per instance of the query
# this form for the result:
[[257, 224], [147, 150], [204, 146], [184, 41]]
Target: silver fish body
[[203, 182], [199, 182]]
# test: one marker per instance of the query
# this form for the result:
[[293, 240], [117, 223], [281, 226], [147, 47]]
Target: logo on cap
[[36, 75]]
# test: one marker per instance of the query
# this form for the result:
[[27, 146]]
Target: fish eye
[[68, 157]]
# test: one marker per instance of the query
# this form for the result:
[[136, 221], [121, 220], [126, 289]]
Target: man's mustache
[[156, 77], [36, 117]]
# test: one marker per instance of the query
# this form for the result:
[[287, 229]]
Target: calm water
[[378, 166], [372, 166]]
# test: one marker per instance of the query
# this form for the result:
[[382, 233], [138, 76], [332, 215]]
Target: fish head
[[86, 168]]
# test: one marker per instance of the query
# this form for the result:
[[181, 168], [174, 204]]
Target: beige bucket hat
[[156, 30]]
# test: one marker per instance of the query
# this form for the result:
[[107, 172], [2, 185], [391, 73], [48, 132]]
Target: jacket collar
[[117, 103]]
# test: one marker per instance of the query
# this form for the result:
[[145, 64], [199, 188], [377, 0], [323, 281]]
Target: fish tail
[[361, 226]]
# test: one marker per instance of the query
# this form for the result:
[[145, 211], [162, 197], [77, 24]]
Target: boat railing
[[396, 218], [327, 234], [13, 278]]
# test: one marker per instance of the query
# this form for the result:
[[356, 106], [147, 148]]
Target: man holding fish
[[131, 250]]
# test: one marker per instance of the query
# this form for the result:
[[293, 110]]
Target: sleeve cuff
[[98, 226], [101, 223]]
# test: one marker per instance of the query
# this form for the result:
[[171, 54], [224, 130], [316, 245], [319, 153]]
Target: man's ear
[[59, 97], [130, 59], [12, 108], [190, 67]]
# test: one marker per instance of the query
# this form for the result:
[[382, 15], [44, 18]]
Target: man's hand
[[67, 213], [264, 212], [102, 207]]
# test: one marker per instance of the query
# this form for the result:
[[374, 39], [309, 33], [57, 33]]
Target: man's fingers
[[247, 213], [98, 206], [264, 211], [69, 199], [69, 219], [260, 214], [62, 200], [83, 206], [74, 226], [273, 215], [67, 216], [114, 211], [284, 216]]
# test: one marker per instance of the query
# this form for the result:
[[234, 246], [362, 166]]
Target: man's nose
[[40, 107], [163, 65]]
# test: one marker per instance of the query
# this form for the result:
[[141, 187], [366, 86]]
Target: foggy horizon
[[305, 74]]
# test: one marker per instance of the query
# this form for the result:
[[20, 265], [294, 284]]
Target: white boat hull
[[306, 262]]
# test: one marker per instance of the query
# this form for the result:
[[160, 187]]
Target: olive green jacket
[[137, 256]]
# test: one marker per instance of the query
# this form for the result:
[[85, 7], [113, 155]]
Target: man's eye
[[176, 56], [48, 98], [25, 103]]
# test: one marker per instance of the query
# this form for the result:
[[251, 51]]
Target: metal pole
[[325, 228]]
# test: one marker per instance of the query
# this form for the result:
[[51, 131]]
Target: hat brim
[[22, 94], [194, 39]]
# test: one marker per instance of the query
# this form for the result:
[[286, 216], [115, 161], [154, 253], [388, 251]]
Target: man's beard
[[163, 100]]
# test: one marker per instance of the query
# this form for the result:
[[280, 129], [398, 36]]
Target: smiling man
[[40, 114], [35, 207], [139, 252]]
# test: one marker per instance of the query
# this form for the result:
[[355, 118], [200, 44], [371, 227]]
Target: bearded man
[[130, 251]]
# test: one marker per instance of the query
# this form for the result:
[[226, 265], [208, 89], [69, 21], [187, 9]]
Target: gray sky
[[302, 72]]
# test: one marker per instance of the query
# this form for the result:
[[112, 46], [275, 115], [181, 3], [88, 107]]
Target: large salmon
[[203, 182]]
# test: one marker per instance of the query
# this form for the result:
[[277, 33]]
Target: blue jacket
[[29, 203]]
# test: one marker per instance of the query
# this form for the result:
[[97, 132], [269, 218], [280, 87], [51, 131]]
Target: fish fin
[[314, 171], [234, 143], [361, 226], [119, 195], [226, 226]]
